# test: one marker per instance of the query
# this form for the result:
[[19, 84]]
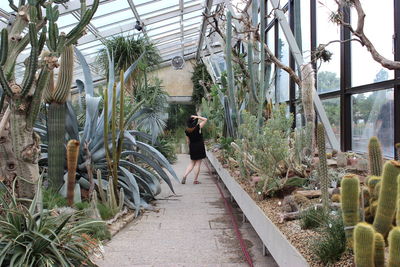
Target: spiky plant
[[364, 245], [23, 99], [323, 167], [375, 156]]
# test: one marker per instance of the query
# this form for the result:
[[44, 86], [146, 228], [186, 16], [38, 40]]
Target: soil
[[298, 237]]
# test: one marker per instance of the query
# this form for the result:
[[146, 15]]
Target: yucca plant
[[139, 179], [31, 236]]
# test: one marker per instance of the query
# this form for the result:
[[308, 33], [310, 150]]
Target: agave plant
[[139, 178], [37, 237]]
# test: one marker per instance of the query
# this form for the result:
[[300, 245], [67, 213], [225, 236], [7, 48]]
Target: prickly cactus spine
[[387, 198], [394, 247], [379, 250], [364, 245], [375, 156], [72, 163], [323, 166], [350, 204]]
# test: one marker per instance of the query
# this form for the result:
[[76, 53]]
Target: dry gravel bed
[[299, 238]]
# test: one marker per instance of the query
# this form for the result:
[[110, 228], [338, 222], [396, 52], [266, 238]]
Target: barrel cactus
[[379, 250], [364, 245], [350, 204], [375, 156], [394, 247]]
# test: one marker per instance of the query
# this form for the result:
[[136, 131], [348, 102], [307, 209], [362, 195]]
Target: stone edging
[[275, 242]]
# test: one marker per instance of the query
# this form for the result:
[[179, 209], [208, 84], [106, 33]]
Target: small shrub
[[82, 205], [105, 212], [53, 199], [312, 218], [99, 231], [331, 243]]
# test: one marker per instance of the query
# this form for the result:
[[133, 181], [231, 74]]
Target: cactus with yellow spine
[[394, 247], [364, 245], [387, 198], [350, 204], [379, 256], [72, 163], [398, 202], [323, 166], [375, 156], [56, 96]]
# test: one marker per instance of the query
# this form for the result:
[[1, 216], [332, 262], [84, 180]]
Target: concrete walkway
[[189, 229]]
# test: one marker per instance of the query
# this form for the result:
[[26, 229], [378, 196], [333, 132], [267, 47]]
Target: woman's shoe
[[183, 180], [196, 182]]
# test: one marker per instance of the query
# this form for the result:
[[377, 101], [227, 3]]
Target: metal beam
[[181, 7], [203, 30], [298, 57], [135, 12]]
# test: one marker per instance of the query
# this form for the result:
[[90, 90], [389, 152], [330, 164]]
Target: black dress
[[196, 144]]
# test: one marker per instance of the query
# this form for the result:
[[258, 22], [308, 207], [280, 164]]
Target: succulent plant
[[72, 164], [364, 245], [379, 256], [394, 247], [323, 166], [375, 156], [387, 198], [398, 202], [350, 204]]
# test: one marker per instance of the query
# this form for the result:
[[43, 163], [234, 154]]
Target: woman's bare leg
[[197, 169], [189, 168]]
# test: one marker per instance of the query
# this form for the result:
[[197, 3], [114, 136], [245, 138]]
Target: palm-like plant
[[139, 181], [126, 51]]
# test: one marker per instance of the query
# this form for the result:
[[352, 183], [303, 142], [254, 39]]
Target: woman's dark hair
[[191, 122]]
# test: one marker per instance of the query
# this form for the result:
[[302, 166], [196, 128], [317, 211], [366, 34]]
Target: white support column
[[298, 57]]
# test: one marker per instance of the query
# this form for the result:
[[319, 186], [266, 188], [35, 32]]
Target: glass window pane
[[332, 109], [373, 116], [326, 32], [379, 29], [282, 84]]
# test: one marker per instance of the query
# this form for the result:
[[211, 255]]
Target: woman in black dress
[[194, 138]]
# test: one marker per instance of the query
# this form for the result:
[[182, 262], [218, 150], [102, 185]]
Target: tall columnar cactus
[[23, 100], [394, 247], [375, 156], [56, 96], [307, 91], [262, 66], [387, 198], [323, 166], [372, 182], [379, 258], [350, 204], [364, 245], [72, 164], [398, 202], [112, 200]]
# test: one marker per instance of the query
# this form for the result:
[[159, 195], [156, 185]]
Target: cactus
[[397, 148], [350, 204], [262, 83], [372, 182], [24, 99], [379, 257], [394, 247], [57, 97], [323, 166], [398, 202], [111, 200], [375, 156], [72, 163], [307, 91], [387, 198], [364, 245]]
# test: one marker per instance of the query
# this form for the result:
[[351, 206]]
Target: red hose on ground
[[235, 225]]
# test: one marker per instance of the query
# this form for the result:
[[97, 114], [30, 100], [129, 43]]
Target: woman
[[194, 138]]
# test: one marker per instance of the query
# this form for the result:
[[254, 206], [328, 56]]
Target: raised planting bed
[[280, 248]]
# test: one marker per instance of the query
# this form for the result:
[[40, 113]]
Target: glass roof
[[173, 25]]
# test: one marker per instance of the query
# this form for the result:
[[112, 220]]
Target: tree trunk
[[8, 160], [26, 148]]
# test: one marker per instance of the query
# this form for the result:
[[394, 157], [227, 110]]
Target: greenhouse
[[200, 133]]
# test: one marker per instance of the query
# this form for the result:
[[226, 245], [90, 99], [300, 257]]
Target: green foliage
[[329, 246], [201, 83], [126, 51], [387, 198], [312, 218], [328, 81], [82, 205], [30, 238], [166, 145], [178, 115], [364, 245], [52, 199], [105, 211]]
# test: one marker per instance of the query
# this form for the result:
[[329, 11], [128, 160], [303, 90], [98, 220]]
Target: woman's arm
[[187, 140], [203, 120]]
